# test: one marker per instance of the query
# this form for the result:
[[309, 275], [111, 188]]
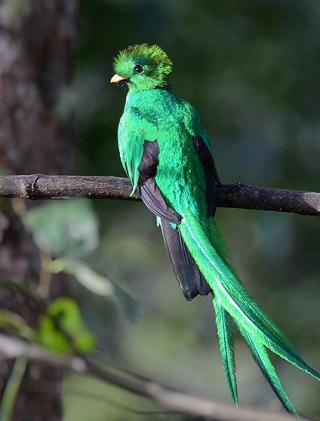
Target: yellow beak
[[117, 78]]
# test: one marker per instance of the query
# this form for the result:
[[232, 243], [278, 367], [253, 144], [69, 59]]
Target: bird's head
[[142, 67]]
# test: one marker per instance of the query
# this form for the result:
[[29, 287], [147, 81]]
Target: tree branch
[[238, 195], [167, 397]]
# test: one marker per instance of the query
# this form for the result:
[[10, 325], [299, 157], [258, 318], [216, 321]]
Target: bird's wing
[[196, 129], [212, 178], [148, 189], [188, 275]]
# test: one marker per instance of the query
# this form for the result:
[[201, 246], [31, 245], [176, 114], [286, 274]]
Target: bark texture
[[36, 55], [242, 196]]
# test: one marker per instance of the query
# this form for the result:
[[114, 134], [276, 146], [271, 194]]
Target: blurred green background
[[252, 70]]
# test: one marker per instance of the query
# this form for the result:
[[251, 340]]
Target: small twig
[[45, 275], [238, 195], [12, 388], [46, 387], [176, 401]]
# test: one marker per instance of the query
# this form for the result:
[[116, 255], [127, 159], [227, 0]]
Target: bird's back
[[160, 115]]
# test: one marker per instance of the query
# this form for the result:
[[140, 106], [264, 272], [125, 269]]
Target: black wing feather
[[152, 198]]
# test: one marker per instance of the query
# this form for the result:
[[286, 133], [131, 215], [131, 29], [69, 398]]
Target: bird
[[166, 153]]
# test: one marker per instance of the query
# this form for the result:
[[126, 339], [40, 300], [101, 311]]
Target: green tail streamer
[[226, 348], [233, 300], [262, 359]]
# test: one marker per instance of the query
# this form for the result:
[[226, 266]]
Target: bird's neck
[[137, 98]]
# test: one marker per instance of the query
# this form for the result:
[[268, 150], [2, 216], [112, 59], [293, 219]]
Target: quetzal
[[165, 151]]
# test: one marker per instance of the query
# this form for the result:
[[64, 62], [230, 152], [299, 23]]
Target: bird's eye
[[138, 68]]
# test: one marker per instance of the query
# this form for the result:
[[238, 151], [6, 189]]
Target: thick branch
[[242, 196], [171, 399]]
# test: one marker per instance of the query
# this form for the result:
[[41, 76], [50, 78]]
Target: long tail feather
[[226, 348], [234, 298], [262, 359]]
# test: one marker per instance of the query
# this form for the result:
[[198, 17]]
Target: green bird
[[165, 151]]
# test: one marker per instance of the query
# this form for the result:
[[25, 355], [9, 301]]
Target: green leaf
[[62, 330], [65, 227]]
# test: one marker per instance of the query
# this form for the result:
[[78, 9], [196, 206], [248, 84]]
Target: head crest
[[149, 55]]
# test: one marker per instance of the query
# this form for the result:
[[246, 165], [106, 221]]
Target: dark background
[[251, 68]]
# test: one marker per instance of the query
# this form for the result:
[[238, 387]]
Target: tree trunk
[[36, 61]]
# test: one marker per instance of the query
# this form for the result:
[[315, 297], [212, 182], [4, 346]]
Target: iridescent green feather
[[226, 348], [262, 359], [235, 299]]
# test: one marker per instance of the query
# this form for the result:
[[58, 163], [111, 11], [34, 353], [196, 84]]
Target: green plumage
[[226, 347], [155, 114], [261, 357]]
